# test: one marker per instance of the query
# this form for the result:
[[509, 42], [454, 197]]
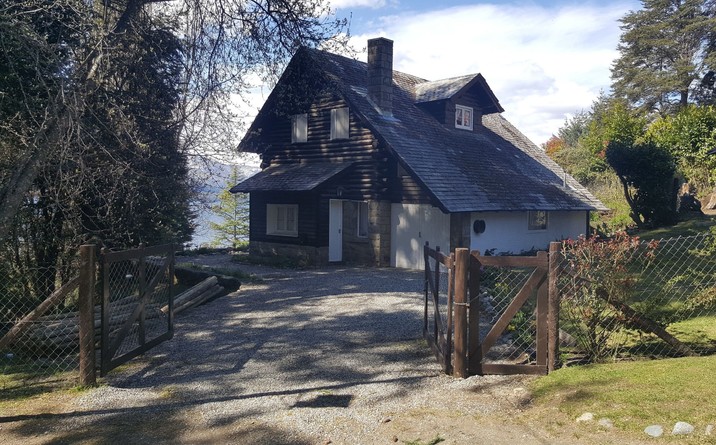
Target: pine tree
[[666, 49], [233, 211]]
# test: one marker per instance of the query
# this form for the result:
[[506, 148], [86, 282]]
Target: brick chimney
[[380, 73]]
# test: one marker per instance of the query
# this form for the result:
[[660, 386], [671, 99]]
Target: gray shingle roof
[[292, 178], [495, 168], [441, 89]]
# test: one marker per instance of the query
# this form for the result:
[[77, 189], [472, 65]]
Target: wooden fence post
[[462, 266], [555, 259], [474, 351], [88, 374]]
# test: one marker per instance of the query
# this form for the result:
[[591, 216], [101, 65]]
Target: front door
[[335, 231]]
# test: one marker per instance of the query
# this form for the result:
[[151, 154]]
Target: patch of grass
[[634, 394], [281, 262], [690, 227], [435, 440]]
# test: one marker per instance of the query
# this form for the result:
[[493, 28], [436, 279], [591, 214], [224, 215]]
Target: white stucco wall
[[507, 231]]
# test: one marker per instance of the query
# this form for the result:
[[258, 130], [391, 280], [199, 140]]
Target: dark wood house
[[363, 164]]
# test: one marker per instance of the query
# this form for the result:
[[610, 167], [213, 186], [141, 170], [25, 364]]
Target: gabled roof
[[448, 88], [495, 168], [291, 178]]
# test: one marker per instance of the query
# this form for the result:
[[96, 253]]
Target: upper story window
[[299, 128], [463, 117], [537, 220], [340, 126], [282, 219]]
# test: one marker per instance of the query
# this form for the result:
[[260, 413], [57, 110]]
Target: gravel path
[[303, 357]]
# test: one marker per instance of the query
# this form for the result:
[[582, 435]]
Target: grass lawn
[[637, 394]]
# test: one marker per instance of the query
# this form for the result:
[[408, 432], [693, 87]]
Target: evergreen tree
[[666, 49], [233, 212]]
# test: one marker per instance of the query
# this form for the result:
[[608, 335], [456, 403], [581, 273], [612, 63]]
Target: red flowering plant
[[598, 275]]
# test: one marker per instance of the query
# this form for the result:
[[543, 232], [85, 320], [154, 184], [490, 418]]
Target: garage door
[[411, 226]]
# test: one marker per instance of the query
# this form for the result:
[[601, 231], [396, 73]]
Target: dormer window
[[299, 128], [340, 125], [463, 117]]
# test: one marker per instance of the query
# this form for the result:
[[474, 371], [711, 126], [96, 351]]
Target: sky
[[544, 60]]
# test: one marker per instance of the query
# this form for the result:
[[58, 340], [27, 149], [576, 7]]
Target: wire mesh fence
[[627, 298], [498, 288], [36, 350]]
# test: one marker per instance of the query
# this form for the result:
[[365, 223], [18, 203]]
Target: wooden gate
[[466, 311], [137, 302]]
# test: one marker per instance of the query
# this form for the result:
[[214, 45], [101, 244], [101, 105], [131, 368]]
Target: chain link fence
[[41, 350], [498, 288], [627, 298]]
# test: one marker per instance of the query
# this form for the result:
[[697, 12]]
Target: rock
[[682, 428], [654, 430], [586, 417], [606, 423], [385, 420], [566, 340], [712, 202], [395, 438], [709, 430]]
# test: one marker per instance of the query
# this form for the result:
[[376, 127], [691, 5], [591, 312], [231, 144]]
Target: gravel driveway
[[303, 357]]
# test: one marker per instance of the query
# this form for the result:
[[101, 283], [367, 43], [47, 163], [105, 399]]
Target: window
[[282, 219], [537, 220], [463, 117], [362, 219], [340, 124], [299, 128]]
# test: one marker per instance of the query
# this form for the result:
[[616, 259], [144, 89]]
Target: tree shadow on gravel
[[285, 343]]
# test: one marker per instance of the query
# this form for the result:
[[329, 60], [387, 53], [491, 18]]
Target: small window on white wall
[[299, 128], [282, 219], [463, 117], [363, 219], [340, 125], [537, 220]]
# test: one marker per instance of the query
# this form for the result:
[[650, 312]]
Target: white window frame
[[340, 123], [362, 220], [299, 128], [464, 117], [282, 219], [533, 220]]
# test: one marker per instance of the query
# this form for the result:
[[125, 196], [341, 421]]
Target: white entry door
[[335, 231]]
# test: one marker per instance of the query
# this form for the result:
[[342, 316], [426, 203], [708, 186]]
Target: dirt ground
[[313, 357]]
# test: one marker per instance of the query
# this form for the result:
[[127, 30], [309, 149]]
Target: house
[[362, 164]]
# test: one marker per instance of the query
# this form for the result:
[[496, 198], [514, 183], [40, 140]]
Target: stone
[[682, 428], [606, 423], [709, 430], [654, 430], [385, 420], [586, 417]]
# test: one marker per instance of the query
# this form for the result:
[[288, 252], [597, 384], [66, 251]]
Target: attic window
[[299, 128], [340, 125], [463, 117]]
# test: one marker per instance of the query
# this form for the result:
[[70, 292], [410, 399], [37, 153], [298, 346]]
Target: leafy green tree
[[688, 136], [646, 173], [665, 49], [233, 213]]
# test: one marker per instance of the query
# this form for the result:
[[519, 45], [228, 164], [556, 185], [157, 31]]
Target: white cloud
[[543, 63], [341, 4]]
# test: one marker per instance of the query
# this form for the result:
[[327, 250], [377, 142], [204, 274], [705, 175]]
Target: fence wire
[[46, 349], [498, 288], [631, 299]]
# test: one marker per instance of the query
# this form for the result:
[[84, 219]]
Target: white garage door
[[411, 226]]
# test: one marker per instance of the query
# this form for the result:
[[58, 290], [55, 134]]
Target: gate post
[[474, 352], [555, 259], [88, 373], [462, 266]]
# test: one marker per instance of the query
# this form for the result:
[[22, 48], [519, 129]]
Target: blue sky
[[545, 60]]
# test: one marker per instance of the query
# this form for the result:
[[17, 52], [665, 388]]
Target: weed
[[435, 440]]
